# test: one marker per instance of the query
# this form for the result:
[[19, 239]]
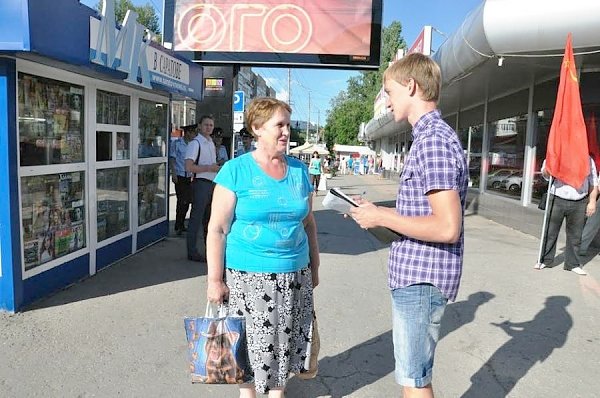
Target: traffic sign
[[238, 101], [238, 117]]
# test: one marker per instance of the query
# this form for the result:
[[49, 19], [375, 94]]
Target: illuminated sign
[[214, 87], [323, 28]]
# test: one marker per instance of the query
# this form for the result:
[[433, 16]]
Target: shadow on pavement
[[339, 235], [530, 342], [461, 313], [347, 372], [163, 262]]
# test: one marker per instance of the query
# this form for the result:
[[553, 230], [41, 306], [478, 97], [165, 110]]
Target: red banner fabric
[[592, 136], [567, 157], [337, 27]]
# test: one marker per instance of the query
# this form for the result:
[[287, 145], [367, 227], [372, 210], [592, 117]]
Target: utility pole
[[308, 122], [318, 124], [289, 101], [289, 86]]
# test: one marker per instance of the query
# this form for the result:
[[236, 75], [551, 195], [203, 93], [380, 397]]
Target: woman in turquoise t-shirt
[[262, 238], [315, 168]]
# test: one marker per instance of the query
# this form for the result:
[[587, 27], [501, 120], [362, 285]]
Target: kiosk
[[84, 129]]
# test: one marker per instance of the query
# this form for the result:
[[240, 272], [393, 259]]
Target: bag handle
[[210, 312]]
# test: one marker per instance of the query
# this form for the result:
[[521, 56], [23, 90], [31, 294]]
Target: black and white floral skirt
[[278, 308]]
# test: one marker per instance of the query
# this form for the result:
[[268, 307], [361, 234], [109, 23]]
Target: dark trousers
[[574, 212], [315, 179], [590, 230], [183, 190], [202, 192]]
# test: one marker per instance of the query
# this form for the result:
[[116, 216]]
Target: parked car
[[495, 178], [513, 183]]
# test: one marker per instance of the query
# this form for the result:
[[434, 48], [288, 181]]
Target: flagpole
[[544, 227]]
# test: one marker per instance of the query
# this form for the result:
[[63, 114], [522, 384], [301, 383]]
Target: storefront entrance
[[92, 170]]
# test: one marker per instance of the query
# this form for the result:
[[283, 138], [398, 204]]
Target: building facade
[[499, 89]]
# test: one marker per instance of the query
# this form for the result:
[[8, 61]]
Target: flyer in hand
[[339, 201]]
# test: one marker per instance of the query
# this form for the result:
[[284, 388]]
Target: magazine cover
[[31, 253]]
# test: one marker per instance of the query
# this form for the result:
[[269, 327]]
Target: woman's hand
[[217, 292], [315, 276]]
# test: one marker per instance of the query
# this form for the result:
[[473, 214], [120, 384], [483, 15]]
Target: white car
[[513, 183], [495, 178]]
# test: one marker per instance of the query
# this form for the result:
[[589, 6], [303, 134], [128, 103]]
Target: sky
[[325, 84]]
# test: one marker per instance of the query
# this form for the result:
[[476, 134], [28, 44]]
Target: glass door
[[112, 168]]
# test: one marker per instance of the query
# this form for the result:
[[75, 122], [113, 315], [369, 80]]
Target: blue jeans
[[417, 312]]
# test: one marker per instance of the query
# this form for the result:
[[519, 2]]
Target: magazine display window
[[78, 174], [153, 129], [53, 214], [152, 186], [112, 191], [51, 128]]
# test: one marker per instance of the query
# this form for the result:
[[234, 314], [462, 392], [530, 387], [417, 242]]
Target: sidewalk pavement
[[513, 331]]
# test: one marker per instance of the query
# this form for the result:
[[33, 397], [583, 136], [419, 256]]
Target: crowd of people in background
[[361, 165]]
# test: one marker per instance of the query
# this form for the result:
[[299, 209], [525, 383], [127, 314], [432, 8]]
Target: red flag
[[567, 157], [592, 136]]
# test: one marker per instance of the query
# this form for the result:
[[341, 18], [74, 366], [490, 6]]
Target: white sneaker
[[579, 271], [539, 266]]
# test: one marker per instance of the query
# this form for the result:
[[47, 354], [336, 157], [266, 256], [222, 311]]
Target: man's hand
[[366, 215], [174, 178], [590, 209]]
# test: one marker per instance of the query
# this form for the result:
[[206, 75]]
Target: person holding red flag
[[573, 188]]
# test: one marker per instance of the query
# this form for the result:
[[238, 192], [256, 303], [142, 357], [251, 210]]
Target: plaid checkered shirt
[[436, 161]]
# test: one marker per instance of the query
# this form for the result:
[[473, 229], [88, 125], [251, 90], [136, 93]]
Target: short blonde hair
[[422, 69], [262, 109]]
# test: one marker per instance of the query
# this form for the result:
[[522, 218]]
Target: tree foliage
[[354, 105], [146, 13]]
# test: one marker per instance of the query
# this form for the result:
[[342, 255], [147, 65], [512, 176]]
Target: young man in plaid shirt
[[425, 264]]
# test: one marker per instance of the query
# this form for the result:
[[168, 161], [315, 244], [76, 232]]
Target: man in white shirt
[[572, 204], [201, 161]]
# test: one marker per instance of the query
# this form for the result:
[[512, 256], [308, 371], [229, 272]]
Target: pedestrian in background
[[315, 168], [573, 205], [350, 163], [591, 228], [425, 264], [262, 249], [180, 177], [201, 161], [217, 137], [247, 138]]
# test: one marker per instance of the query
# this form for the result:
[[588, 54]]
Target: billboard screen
[[331, 32]]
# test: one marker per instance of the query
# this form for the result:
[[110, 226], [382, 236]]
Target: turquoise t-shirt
[[315, 166], [267, 233]]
